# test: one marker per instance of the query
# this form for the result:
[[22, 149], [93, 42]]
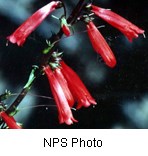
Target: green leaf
[[31, 77]]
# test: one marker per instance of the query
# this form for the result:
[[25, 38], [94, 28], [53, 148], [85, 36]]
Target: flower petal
[[100, 45], [76, 86], [66, 30], [65, 114], [127, 28], [59, 76], [9, 120], [22, 32]]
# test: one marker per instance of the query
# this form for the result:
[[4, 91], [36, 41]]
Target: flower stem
[[17, 101], [75, 13], [12, 108], [71, 20]]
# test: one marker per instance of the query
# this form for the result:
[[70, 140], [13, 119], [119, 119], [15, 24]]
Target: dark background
[[121, 93]]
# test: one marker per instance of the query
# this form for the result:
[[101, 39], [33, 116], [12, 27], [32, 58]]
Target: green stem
[[12, 108]]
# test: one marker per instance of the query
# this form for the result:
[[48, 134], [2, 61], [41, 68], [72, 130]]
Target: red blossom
[[65, 114], [9, 120], [76, 86], [127, 28], [66, 30], [22, 32], [65, 27], [59, 76], [100, 45]]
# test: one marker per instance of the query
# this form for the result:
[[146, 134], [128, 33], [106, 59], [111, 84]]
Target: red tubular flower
[[59, 76], [127, 28], [9, 120], [76, 86], [65, 114], [100, 45], [21, 33], [66, 30], [65, 27]]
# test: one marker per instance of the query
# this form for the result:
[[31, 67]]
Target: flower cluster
[[67, 88], [98, 42]]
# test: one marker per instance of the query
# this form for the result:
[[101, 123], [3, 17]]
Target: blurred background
[[121, 93]]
